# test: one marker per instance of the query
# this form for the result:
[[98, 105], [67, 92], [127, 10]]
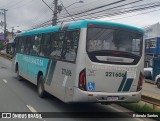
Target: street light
[[65, 8], [58, 9], [61, 7], [75, 3]]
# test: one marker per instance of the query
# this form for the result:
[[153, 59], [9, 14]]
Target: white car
[[147, 73], [157, 81]]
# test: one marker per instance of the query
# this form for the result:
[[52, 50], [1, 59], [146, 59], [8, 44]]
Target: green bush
[[1, 45], [139, 108]]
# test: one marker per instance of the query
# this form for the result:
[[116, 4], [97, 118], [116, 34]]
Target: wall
[[152, 31]]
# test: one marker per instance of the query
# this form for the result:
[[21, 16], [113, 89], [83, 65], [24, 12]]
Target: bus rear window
[[101, 39]]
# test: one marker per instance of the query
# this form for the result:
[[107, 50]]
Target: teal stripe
[[122, 83], [32, 64], [128, 85], [50, 71]]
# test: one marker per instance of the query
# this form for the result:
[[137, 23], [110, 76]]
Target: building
[[152, 49], [152, 39], [2, 37], [152, 43]]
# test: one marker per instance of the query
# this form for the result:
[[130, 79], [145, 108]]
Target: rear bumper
[[101, 97]]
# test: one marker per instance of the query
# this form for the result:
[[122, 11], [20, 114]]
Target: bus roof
[[78, 25]]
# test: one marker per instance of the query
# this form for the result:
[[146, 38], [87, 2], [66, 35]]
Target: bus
[[83, 61]]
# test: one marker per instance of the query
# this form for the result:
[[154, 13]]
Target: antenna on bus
[[62, 23]]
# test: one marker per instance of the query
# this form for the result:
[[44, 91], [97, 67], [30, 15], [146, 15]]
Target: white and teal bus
[[83, 61]]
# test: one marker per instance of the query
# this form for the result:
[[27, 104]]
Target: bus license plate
[[115, 98]]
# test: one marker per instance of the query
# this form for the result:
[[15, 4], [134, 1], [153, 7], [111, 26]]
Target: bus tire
[[40, 87], [17, 72], [158, 84]]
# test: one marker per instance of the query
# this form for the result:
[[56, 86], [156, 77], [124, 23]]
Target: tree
[[1, 45]]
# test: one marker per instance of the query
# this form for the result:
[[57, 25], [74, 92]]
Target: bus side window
[[16, 44], [28, 45], [56, 45], [31, 44], [36, 44], [45, 45], [70, 46], [22, 44]]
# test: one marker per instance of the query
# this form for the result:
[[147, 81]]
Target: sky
[[24, 14]]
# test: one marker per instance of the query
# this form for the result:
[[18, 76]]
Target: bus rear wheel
[[40, 87], [158, 84], [17, 72]]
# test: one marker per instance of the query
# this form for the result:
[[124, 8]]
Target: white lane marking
[[139, 119], [122, 111], [5, 81], [31, 109], [34, 111]]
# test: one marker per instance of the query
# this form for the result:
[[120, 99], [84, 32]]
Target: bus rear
[[113, 65]]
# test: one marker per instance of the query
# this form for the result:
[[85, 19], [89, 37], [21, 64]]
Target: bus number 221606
[[115, 74]]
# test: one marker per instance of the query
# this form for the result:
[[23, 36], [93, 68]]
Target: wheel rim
[[40, 87], [17, 73], [158, 85]]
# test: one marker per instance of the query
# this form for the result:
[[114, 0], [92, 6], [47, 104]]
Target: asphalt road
[[21, 96]]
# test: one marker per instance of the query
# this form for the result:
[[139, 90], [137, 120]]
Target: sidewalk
[[150, 90], [3, 51]]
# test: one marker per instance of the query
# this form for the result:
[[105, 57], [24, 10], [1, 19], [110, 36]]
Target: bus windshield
[[100, 39]]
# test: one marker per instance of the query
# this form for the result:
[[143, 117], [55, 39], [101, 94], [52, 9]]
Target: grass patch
[[139, 107]]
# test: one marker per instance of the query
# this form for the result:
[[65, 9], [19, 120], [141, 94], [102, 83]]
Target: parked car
[[147, 73], [157, 81]]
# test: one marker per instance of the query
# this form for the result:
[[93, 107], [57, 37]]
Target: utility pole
[[58, 9], [5, 23], [12, 32], [55, 12]]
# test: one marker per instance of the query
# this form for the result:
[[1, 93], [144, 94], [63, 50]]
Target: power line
[[28, 2], [86, 14], [130, 11], [9, 2], [67, 11], [136, 14], [47, 21], [96, 8], [37, 19], [15, 3], [109, 13]]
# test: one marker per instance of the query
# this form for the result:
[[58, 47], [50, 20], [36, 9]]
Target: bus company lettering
[[91, 72], [33, 60], [114, 68], [66, 72]]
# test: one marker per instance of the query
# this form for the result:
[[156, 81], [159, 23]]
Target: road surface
[[21, 96]]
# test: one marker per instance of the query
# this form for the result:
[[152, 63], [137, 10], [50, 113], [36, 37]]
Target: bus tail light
[[140, 81], [82, 80]]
